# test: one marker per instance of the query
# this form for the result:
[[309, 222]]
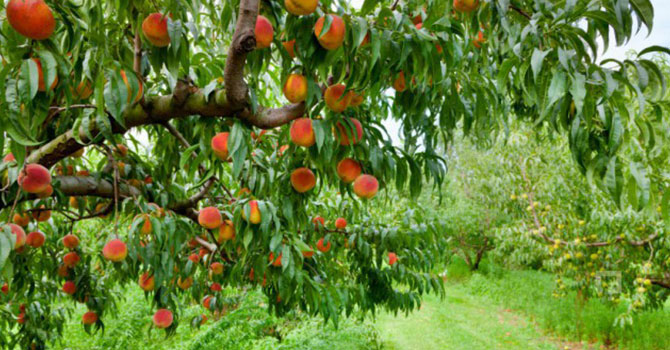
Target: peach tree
[[236, 143]]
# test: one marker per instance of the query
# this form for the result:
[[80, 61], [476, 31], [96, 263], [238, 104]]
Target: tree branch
[[243, 42]]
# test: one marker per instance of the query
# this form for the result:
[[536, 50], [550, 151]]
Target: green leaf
[[29, 79], [536, 61], [644, 11]]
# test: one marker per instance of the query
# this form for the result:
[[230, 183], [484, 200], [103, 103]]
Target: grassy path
[[460, 322]]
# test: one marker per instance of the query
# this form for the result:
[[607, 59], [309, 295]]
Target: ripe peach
[[355, 99], [71, 259], [302, 133], [301, 7], [185, 283], [140, 90], [334, 37], [146, 225], [207, 301], [5, 289], [203, 252], [42, 215], [255, 213], [336, 99], [393, 258], [290, 47], [348, 170], [264, 32], [120, 150], [74, 203], [9, 158], [89, 318], [399, 83], [479, 40], [34, 178], [21, 219], [20, 235], [220, 145], [295, 88], [465, 5], [226, 232], [340, 223], [318, 222], [282, 150], [70, 241], [366, 186], [347, 134], [69, 287], [155, 29], [147, 282], [215, 287], [21, 318], [163, 318], [303, 180], [366, 40], [217, 268], [35, 239], [63, 271], [46, 193], [194, 257], [115, 250], [323, 248], [31, 18], [210, 218], [41, 84], [100, 208], [83, 91], [308, 253], [275, 262], [418, 26]]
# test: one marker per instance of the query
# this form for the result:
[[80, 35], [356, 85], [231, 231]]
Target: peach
[[399, 84], [340, 223], [319, 222], [393, 258], [308, 253], [303, 180], [290, 47], [215, 287], [336, 98], [255, 213], [348, 170], [70, 241], [264, 32], [41, 84], [203, 252], [418, 26], [146, 225], [366, 186], [323, 248], [148, 180], [355, 99], [301, 7], [100, 208], [275, 262], [217, 268], [140, 90], [302, 133], [82, 173], [21, 219], [115, 250], [21, 318], [479, 40], [185, 283], [63, 271], [74, 203], [207, 302], [34, 178], [83, 91], [35, 239], [220, 145], [121, 150], [41, 215], [155, 29], [282, 150], [89, 318], [226, 232], [71, 259], [19, 233], [295, 88], [147, 282], [31, 18], [347, 134], [194, 257], [210, 218], [46, 193], [334, 37], [69, 287], [465, 5], [366, 40], [5, 289], [9, 158]]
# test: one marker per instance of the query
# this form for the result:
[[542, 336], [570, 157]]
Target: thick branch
[[244, 41]]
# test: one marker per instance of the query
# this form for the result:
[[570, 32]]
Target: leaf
[[29, 79], [557, 87], [644, 11], [654, 48], [536, 61]]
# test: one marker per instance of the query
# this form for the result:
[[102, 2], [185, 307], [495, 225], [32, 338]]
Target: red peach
[[356, 99], [70, 241], [194, 257], [147, 282], [89, 318], [290, 47], [71, 259], [210, 218], [41, 215], [479, 40], [336, 98], [393, 258], [155, 29], [163, 318], [115, 250], [295, 88], [146, 225], [348, 170], [46, 193], [340, 223], [217, 268], [334, 37], [9, 158], [302, 133], [206, 301], [31, 18], [20, 235], [347, 134], [34, 178], [275, 262], [308, 253], [5, 289], [399, 84], [41, 84], [303, 180], [21, 219], [69, 287], [215, 287], [220, 145], [318, 222], [323, 248], [264, 32], [35, 239], [366, 186], [465, 5], [301, 7]]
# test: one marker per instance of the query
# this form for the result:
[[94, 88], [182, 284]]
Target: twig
[[395, 4], [137, 63], [520, 11]]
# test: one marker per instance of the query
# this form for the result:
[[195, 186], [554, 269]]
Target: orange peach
[[308, 253], [321, 247], [121, 150], [41, 215], [264, 32], [20, 235], [70, 241], [83, 91], [21, 219], [31, 18], [115, 250], [69, 287], [355, 99], [340, 223], [140, 90], [334, 37], [63, 270], [147, 282], [155, 29], [479, 40], [301, 7], [71, 259], [295, 88], [100, 208], [9, 158], [302, 133], [366, 186], [207, 301], [210, 218], [336, 99], [226, 232], [318, 222], [46, 193], [347, 135], [303, 180], [275, 262], [393, 258], [185, 283], [399, 83], [35, 239], [146, 225], [194, 257], [220, 145], [89, 318], [348, 170], [217, 268], [41, 84], [290, 47], [215, 287], [255, 213], [465, 5], [34, 178]]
